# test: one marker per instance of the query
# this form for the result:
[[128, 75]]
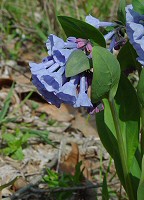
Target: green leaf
[[121, 11], [136, 171], [127, 108], [18, 154], [106, 131], [80, 29], [106, 74], [25, 138], [138, 6], [129, 117], [77, 63], [105, 194], [7, 151], [140, 192], [140, 88], [42, 134], [127, 57], [6, 104], [9, 138]]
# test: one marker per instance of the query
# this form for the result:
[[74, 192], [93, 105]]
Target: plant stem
[[142, 131], [122, 150]]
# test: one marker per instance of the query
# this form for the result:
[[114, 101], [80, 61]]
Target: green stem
[[123, 154], [142, 131]]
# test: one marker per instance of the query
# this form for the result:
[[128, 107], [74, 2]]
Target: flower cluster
[[135, 31], [49, 75]]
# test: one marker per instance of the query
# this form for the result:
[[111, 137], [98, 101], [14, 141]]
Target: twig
[[35, 190]]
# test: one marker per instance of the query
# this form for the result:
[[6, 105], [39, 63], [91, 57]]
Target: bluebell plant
[[85, 62]]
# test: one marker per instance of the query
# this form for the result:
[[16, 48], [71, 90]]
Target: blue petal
[[96, 22], [109, 35], [54, 43], [50, 97], [68, 92], [83, 99], [55, 79], [61, 56]]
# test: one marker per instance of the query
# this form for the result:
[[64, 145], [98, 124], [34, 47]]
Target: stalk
[[142, 131], [123, 154]]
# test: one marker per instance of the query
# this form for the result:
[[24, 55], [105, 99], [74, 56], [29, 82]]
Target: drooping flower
[[97, 23], [83, 99], [116, 36], [135, 31], [49, 75]]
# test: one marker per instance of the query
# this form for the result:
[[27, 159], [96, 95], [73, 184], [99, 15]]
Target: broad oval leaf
[[77, 63], [106, 74], [77, 28]]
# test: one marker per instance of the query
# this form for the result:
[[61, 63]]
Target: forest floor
[[35, 136]]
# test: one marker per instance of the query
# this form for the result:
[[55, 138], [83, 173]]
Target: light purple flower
[[135, 31], [97, 23], [109, 35], [83, 99]]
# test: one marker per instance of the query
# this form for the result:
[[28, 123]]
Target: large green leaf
[[77, 63], [140, 88], [127, 109], [138, 6], [76, 28], [140, 192], [121, 11], [127, 106], [106, 74], [127, 57], [106, 131]]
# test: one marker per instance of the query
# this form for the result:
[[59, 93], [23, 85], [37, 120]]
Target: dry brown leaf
[[71, 161], [19, 183], [60, 114], [69, 164], [84, 126]]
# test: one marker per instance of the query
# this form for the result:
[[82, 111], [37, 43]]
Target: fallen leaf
[[69, 164], [84, 126], [60, 114]]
